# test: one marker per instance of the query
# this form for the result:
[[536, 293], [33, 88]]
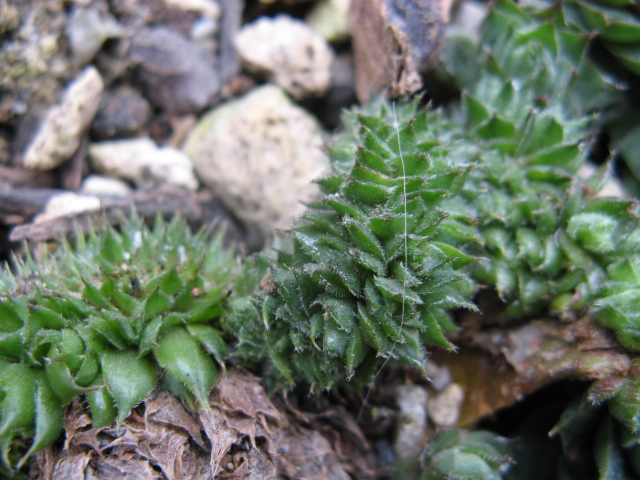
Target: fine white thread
[[406, 260]]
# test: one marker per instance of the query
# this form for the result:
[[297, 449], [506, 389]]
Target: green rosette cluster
[[108, 318], [614, 26], [464, 455], [547, 239], [363, 277], [616, 23]]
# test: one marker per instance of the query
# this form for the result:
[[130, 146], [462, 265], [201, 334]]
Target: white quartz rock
[[67, 203], [330, 18], [105, 186], [259, 154], [288, 52], [141, 161], [61, 128], [444, 408]]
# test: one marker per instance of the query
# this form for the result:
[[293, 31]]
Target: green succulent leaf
[[464, 455], [129, 378], [103, 407], [49, 420], [181, 355]]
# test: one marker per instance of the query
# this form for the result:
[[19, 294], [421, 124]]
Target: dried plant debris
[[393, 41], [240, 434]]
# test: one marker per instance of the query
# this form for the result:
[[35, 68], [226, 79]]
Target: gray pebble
[[177, 75], [123, 112]]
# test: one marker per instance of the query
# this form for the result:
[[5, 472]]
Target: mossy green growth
[[108, 317], [363, 276]]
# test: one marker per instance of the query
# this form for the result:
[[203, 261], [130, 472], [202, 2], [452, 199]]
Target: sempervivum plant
[[108, 318], [463, 455], [547, 239], [364, 276]]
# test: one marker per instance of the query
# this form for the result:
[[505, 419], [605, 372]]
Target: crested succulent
[[463, 455], [363, 276], [105, 318]]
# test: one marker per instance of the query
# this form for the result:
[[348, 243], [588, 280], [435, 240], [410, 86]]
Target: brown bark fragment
[[393, 41]]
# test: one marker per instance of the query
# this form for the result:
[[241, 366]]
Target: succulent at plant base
[[109, 318], [614, 31], [363, 276], [464, 455]]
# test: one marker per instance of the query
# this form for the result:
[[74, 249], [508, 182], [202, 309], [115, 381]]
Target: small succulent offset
[[364, 277], [104, 319], [464, 455]]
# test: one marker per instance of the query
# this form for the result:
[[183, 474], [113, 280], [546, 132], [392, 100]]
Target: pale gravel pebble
[[67, 203], [258, 154], [63, 125], [100, 185], [444, 408], [288, 52], [141, 161], [411, 423]]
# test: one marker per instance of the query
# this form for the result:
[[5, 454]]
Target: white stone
[[439, 376], [330, 18], [411, 423], [67, 203], [105, 186], [141, 161], [61, 129], [444, 408], [288, 52], [259, 154], [87, 30], [206, 8]]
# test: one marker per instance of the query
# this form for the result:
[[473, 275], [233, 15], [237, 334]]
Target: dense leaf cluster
[[547, 238], [104, 319], [463, 455], [364, 277]]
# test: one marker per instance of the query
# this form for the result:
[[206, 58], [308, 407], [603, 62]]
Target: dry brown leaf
[[393, 41], [240, 435], [167, 409], [499, 366], [304, 453]]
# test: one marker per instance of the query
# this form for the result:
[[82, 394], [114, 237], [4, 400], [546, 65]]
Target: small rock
[[258, 154], [33, 67], [330, 18], [87, 30], [67, 203], [178, 75], [9, 18], [141, 161], [99, 185], [288, 53], [444, 408], [206, 8], [440, 376], [412, 420], [122, 113], [468, 19], [58, 136]]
